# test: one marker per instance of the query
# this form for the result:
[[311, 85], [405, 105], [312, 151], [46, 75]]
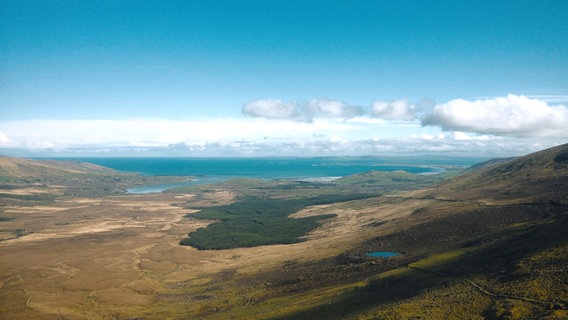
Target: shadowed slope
[[492, 244]]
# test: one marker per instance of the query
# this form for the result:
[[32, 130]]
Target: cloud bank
[[502, 126], [309, 110], [511, 115]]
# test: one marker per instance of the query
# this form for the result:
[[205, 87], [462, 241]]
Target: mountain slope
[[539, 176], [18, 168], [489, 244]]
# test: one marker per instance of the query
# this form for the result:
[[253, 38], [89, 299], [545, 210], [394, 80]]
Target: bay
[[208, 170], [273, 168]]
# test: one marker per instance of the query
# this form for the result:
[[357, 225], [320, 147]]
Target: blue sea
[[205, 170], [275, 168]]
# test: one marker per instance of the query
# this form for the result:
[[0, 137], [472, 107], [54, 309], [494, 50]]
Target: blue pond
[[382, 254]]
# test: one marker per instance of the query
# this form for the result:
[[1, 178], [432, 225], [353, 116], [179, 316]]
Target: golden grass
[[119, 257], [114, 255], [439, 259]]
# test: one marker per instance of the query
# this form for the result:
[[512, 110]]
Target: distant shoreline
[[275, 168]]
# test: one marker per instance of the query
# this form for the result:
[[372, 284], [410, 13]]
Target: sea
[[207, 170]]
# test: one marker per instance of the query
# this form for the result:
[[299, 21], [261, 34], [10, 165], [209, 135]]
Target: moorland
[[489, 242]]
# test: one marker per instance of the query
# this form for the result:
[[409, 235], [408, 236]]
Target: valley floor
[[118, 257]]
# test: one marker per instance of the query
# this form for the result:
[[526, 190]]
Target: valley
[[487, 243]]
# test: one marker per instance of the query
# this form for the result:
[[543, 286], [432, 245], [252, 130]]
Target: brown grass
[[118, 257], [90, 258]]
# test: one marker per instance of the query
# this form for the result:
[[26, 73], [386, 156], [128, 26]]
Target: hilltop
[[30, 179], [20, 168]]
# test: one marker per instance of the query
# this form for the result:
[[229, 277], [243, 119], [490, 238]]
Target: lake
[[382, 254]]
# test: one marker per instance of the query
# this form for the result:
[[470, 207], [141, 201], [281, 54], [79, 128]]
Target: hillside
[[539, 176], [488, 244], [491, 243], [41, 180], [19, 168]]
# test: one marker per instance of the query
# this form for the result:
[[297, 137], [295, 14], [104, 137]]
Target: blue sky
[[282, 77]]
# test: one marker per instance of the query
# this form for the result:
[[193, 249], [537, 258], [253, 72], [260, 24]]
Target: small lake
[[157, 188], [163, 187], [382, 254]]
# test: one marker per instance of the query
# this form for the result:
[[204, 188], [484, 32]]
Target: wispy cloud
[[394, 110], [511, 115], [270, 109], [328, 108], [301, 111], [52, 134], [332, 109]]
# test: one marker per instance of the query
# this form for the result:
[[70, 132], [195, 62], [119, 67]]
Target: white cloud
[[156, 133], [511, 125], [301, 111], [394, 110], [270, 109], [327, 108], [252, 136], [4, 141], [511, 115]]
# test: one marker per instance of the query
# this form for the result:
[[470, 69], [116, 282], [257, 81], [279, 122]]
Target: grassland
[[488, 244], [260, 214]]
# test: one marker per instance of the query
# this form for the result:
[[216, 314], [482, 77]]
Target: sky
[[282, 77]]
